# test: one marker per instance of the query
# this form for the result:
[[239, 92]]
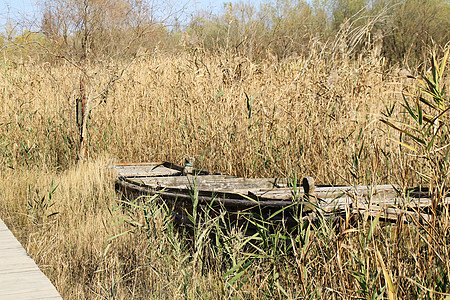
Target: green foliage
[[39, 207]]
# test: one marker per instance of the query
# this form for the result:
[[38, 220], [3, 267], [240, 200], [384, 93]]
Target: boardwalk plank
[[20, 277]]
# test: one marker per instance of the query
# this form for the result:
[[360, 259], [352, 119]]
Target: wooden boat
[[184, 188]]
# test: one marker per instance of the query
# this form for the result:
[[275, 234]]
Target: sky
[[16, 9], [13, 10]]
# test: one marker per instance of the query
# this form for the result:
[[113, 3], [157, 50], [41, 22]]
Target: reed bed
[[235, 116], [298, 116]]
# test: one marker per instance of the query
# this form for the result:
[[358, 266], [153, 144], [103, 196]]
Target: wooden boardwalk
[[20, 277]]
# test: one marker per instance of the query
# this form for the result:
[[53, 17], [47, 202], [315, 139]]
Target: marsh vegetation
[[287, 89]]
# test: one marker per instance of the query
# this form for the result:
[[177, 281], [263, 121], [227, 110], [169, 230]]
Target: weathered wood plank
[[278, 194], [145, 170], [390, 213], [179, 180], [335, 204], [20, 277], [377, 192], [211, 182], [132, 190], [384, 211]]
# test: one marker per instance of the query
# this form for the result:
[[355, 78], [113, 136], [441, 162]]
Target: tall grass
[[426, 127], [233, 115], [300, 115]]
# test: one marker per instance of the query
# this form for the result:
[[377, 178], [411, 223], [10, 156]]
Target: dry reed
[[297, 116]]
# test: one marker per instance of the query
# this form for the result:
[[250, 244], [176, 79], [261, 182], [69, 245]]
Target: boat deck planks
[[210, 182], [20, 277], [236, 193], [143, 169]]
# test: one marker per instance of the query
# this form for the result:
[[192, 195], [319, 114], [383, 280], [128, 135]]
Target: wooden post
[[82, 117], [309, 186], [81, 105], [188, 165]]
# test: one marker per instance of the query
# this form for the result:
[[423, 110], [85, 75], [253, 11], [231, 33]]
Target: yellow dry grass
[[308, 116]]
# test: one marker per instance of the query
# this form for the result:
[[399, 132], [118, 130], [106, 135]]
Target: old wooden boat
[[185, 188]]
